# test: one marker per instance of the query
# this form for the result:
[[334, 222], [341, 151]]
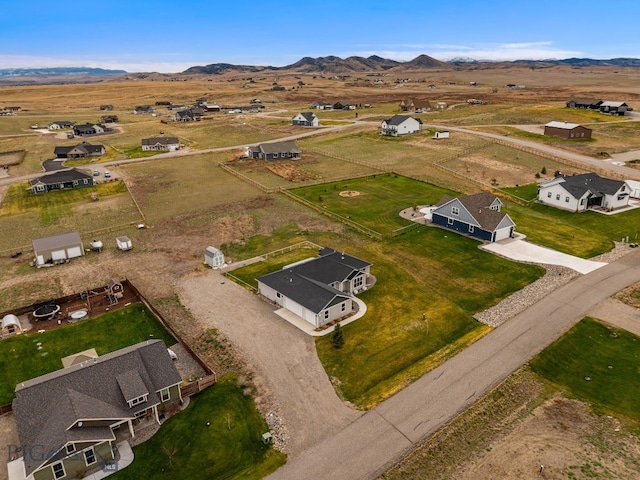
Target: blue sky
[[170, 36]]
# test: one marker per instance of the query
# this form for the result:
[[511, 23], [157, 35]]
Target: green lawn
[[20, 358], [582, 234], [429, 271], [249, 273], [526, 192], [380, 199], [230, 448], [595, 363]]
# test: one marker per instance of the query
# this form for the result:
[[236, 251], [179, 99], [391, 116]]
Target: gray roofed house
[[169, 144], [588, 103], [478, 216], [142, 109], [88, 129], [60, 124], [319, 289], [57, 248], [578, 193], [82, 150], [274, 150], [305, 119], [400, 125], [614, 108], [77, 409], [61, 180]]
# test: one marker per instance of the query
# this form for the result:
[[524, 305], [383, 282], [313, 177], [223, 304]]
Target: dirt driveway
[[284, 359]]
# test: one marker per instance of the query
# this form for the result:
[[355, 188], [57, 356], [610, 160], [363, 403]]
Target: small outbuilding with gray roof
[[319, 289], [477, 216], [57, 248]]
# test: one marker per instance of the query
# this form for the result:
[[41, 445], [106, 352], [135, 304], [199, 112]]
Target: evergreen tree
[[337, 338]]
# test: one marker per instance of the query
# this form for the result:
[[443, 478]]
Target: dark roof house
[[305, 119], [478, 216], [75, 410], [161, 144], [82, 150], [61, 180], [318, 289], [578, 193], [274, 150]]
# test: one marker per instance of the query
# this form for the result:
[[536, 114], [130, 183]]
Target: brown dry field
[[187, 214]]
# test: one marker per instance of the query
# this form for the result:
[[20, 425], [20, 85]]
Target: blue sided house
[[477, 216]]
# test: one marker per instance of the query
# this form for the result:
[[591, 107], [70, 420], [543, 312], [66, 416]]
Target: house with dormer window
[[73, 416], [319, 289], [478, 216]]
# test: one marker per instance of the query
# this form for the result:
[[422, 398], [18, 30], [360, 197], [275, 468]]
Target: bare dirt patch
[[349, 193], [518, 427], [289, 171]]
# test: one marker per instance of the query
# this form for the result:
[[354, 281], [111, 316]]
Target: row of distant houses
[[609, 107], [86, 128]]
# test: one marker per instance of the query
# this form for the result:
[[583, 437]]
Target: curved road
[[372, 443]]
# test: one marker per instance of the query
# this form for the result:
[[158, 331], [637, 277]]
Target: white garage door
[[503, 233], [293, 307], [58, 255], [74, 252]]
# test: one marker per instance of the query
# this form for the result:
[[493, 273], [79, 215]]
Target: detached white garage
[[57, 248]]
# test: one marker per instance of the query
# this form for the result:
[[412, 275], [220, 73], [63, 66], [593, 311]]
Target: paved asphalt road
[[373, 442]]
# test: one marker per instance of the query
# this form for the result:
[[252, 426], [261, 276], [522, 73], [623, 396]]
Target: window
[[549, 195], [89, 456], [40, 188], [141, 414], [278, 295], [582, 200], [165, 395], [58, 470], [344, 306], [471, 228], [449, 221], [358, 281], [326, 314], [138, 400], [71, 448], [566, 199], [557, 196], [455, 211]]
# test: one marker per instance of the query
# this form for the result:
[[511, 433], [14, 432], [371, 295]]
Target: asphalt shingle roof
[[578, 185], [47, 406], [62, 176]]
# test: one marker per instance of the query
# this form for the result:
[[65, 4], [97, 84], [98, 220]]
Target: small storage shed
[[10, 325], [57, 248], [213, 257], [124, 243], [442, 134]]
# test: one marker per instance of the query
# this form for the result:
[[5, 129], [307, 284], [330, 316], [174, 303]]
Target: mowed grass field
[[20, 358], [379, 200], [25, 216], [221, 416], [598, 364]]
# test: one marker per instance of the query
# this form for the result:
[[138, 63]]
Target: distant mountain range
[[21, 72], [336, 65]]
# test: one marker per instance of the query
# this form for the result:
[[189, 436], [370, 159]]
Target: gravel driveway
[[293, 381]]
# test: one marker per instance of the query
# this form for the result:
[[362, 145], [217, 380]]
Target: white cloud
[[130, 65], [496, 52]]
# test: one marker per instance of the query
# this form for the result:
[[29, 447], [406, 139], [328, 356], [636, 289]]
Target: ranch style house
[[82, 150], [318, 290], [61, 180], [274, 151], [75, 415], [476, 215], [578, 193], [168, 144]]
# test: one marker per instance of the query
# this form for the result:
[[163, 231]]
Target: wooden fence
[[197, 386]]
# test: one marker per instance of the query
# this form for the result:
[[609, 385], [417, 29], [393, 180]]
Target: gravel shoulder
[[292, 385]]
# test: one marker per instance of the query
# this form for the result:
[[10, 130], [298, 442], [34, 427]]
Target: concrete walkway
[[372, 443], [522, 251]]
